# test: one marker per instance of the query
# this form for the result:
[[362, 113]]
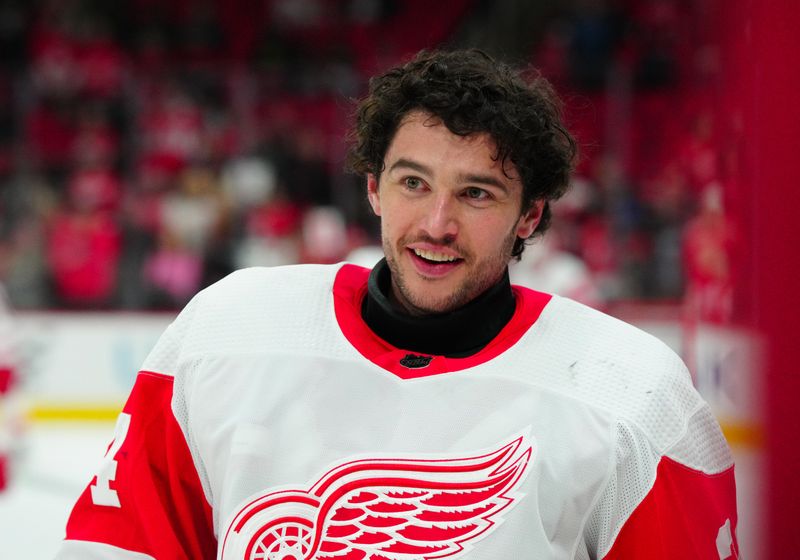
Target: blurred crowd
[[149, 147]]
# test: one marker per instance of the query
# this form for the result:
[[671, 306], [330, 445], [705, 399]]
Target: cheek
[[491, 230], [393, 219], [494, 237], [389, 229]]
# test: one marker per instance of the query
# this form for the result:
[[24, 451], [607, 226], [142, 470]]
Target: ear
[[372, 193], [529, 220]]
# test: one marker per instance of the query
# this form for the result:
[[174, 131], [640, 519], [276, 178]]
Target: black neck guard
[[456, 334]]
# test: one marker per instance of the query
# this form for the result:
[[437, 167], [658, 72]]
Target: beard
[[478, 276]]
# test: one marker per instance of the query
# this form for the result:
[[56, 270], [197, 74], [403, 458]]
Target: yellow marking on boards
[[743, 435], [73, 413]]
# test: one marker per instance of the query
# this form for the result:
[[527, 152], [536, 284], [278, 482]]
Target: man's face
[[450, 214]]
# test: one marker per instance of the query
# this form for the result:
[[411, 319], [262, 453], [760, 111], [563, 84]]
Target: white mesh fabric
[[582, 552], [235, 316], [610, 365], [703, 447], [629, 481], [165, 355], [180, 408], [646, 390], [167, 358]]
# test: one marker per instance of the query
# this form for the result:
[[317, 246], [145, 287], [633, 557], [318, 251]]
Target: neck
[[458, 333]]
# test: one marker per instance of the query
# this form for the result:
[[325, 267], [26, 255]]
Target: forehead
[[425, 137]]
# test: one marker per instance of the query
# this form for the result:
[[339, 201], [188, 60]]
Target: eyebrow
[[488, 180], [411, 164], [484, 180]]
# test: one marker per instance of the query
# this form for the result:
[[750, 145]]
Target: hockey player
[[426, 408]]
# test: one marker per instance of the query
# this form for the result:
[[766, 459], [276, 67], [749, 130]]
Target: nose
[[441, 218]]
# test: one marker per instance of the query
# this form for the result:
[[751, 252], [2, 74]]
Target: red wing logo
[[383, 509]]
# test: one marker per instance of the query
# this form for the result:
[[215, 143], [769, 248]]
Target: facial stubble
[[471, 287]]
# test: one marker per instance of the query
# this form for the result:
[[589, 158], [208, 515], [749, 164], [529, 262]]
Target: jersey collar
[[459, 333], [406, 360]]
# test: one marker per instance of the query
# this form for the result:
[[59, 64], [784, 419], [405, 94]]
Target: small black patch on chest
[[412, 361]]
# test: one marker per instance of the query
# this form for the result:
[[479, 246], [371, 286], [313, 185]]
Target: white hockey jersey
[[269, 422]]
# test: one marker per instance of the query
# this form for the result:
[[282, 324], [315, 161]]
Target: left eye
[[413, 183], [476, 194]]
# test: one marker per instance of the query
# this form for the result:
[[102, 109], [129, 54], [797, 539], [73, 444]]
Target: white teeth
[[431, 256]]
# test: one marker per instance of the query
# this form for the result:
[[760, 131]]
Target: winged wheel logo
[[383, 509]]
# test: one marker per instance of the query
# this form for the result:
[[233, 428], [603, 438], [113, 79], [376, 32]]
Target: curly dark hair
[[470, 92]]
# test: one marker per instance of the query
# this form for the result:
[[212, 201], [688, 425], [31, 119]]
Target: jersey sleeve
[[146, 499], [688, 514], [677, 504]]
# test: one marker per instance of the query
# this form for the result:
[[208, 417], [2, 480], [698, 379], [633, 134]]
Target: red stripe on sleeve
[[162, 509], [687, 514]]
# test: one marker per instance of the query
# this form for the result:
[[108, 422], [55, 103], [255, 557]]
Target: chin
[[429, 309], [431, 305]]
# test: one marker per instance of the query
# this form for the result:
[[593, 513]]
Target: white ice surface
[[53, 466]]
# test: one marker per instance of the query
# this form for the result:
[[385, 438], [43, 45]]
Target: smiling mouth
[[432, 264], [434, 257]]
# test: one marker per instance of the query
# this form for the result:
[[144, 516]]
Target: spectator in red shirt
[[84, 245]]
